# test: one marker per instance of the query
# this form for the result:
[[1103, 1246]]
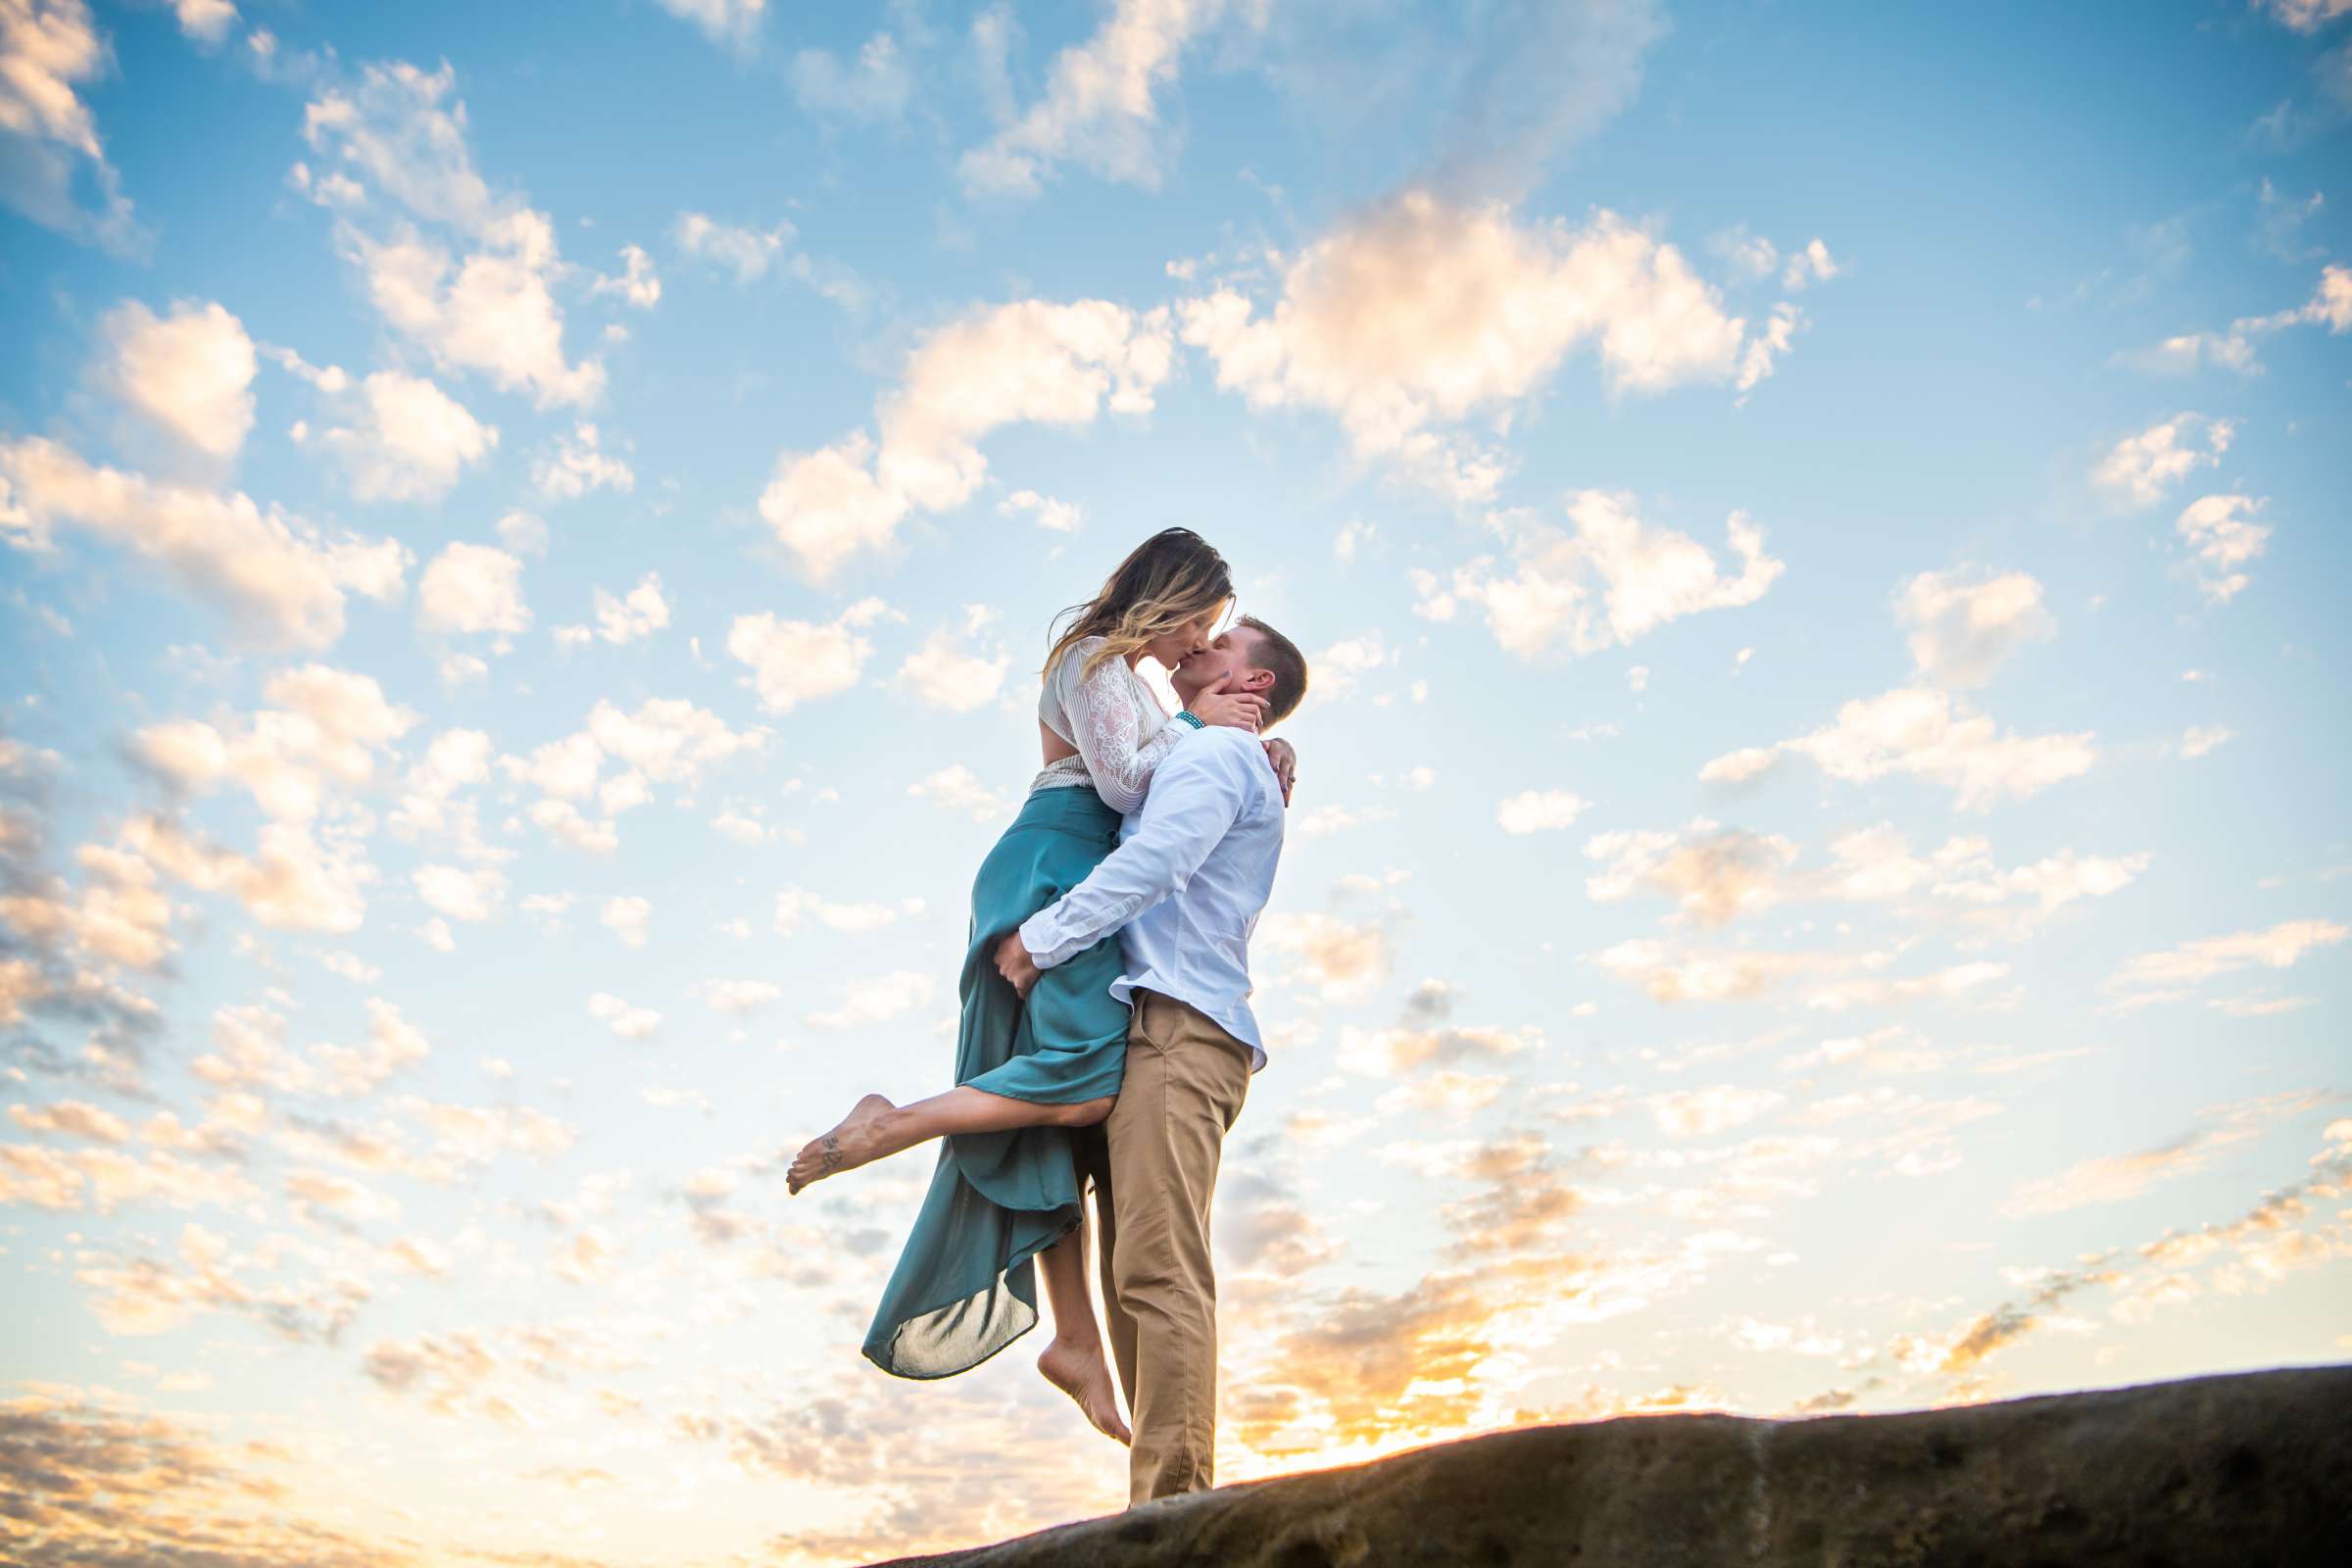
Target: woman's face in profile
[[1171, 649]]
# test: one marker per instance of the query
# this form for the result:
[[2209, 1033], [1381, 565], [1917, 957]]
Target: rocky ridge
[[2246, 1469]]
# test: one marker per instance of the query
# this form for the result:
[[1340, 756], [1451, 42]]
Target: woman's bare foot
[[845, 1148], [1079, 1371]]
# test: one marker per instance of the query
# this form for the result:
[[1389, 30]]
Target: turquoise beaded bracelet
[[1191, 718]]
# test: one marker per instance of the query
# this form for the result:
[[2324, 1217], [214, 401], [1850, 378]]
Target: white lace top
[[1115, 721]]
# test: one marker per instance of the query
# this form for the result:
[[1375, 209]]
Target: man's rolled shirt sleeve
[[1194, 799]]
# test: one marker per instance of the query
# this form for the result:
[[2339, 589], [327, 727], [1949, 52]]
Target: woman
[[1006, 1188]]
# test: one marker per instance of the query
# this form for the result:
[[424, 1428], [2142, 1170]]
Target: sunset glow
[[1819, 880]]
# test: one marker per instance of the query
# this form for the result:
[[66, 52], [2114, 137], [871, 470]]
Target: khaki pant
[[1185, 1082]]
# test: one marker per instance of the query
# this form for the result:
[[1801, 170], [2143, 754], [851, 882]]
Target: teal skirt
[[964, 1286]]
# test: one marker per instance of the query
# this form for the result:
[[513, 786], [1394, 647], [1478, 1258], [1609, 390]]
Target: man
[[1184, 889]]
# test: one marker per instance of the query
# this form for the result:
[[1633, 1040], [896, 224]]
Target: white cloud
[[2118, 1178], [454, 760], [1321, 822], [523, 533], [624, 792], [748, 252], [565, 768], [472, 588], [638, 284], [1394, 1052], [119, 915], [2256, 1005], [566, 823], [2276, 947], [1055, 516], [1098, 108], [47, 132], [1714, 874], [325, 726], [1710, 1110], [742, 829], [460, 893], [1810, 265], [665, 741], [1540, 810], [2141, 467], [946, 678], [793, 661], [876, 1000], [204, 21], [640, 613], [2331, 305], [734, 23], [490, 308], [2223, 532], [1423, 313], [493, 312], [628, 1021], [2305, 16], [190, 373], [410, 441], [1030, 361], [796, 905], [2202, 739], [1964, 627], [740, 995], [1340, 667], [1348, 958], [873, 91], [293, 882], [1741, 765], [957, 788], [1752, 253], [1611, 579], [278, 580], [1930, 734], [579, 464], [1670, 973], [625, 917], [2045, 885], [73, 1118]]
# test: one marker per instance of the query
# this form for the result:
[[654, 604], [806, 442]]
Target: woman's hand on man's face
[[1234, 709]]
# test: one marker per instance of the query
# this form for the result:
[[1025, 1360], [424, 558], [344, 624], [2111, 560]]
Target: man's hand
[[1284, 762], [1015, 965]]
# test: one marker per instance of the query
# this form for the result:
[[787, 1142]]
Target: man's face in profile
[[1228, 652]]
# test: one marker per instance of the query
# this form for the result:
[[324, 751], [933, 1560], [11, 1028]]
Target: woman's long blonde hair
[[1167, 580]]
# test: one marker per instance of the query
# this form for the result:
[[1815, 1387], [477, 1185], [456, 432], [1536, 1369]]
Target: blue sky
[[1818, 876]]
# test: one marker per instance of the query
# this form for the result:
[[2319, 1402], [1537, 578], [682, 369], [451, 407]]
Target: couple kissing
[[1106, 1037]]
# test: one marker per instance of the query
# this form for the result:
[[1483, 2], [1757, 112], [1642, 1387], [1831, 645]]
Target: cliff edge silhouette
[[2244, 1469]]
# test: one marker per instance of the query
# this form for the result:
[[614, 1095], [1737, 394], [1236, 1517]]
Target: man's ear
[[1256, 680]]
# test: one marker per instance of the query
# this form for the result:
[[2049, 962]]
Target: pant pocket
[[1241, 1087]]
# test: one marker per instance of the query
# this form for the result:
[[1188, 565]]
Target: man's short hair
[[1277, 653]]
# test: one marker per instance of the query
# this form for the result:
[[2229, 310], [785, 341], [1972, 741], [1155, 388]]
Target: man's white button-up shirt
[[1193, 869]]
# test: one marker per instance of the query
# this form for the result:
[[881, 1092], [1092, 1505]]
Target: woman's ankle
[[890, 1128]]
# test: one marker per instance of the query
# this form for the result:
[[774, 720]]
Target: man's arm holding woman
[[1196, 794]]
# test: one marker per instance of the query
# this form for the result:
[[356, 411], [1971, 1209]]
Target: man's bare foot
[[845, 1148], [1079, 1371]]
